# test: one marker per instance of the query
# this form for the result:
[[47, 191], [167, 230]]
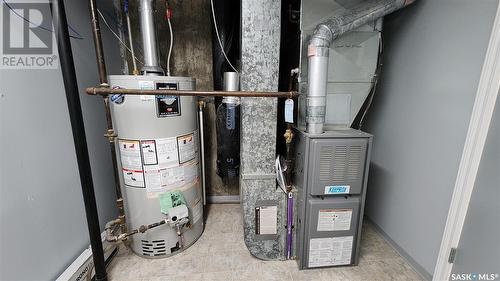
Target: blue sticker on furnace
[[337, 189]]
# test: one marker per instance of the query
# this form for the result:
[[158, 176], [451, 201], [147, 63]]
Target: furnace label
[[267, 219], [330, 251], [334, 219]]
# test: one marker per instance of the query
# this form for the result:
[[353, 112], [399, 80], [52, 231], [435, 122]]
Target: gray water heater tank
[[159, 162]]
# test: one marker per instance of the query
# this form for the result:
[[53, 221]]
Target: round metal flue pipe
[[231, 81], [149, 45]]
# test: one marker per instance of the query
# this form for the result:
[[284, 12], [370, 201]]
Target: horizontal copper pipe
[[108, 91]]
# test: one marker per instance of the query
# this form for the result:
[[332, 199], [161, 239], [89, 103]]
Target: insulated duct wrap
[[318, 52]]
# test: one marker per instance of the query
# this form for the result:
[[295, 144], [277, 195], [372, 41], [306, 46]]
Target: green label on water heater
[[171, 199]]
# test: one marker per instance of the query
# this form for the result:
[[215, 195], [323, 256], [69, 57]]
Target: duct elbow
[[322, 36]]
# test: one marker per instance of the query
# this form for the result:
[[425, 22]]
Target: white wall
[[42, 219], [434, 51]]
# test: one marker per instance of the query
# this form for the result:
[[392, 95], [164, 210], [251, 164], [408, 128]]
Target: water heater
[[159, 163]]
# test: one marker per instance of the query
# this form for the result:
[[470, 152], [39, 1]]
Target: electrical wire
[[130, 41], [135, 71], [169, 15], [77, 36], [218, 37], [374, 81], [118, 37], [171, 46]]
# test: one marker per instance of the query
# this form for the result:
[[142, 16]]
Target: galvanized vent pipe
[[151, 62], [318, 52]]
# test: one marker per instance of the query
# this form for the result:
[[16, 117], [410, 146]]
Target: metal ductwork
[[318, 52], [151, 62]]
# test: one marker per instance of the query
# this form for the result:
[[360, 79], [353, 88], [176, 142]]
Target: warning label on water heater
[[334, 219], [159, 165], [130, 154], [186, 146]]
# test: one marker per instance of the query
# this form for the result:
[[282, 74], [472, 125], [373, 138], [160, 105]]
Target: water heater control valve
[[178, 215]]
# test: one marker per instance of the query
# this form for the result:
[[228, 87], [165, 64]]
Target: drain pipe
[[318, 52], [78, 129], [151, 62]]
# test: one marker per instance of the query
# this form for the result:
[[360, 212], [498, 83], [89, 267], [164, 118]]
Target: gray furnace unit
[[330, 176]]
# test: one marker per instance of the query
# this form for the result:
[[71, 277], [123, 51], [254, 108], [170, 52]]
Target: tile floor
[[220, 254]]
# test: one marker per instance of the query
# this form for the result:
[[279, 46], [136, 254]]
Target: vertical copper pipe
[[110, 133], [99, 52]]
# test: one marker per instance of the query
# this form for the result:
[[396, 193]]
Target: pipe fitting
[[288, 135], [110, 135]]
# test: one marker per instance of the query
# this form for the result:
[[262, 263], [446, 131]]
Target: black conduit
[[78, 129]]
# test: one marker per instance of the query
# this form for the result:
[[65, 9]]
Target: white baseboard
[[83, 264]]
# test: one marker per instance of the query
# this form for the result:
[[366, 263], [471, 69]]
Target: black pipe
[[99, 51], [78, 129]]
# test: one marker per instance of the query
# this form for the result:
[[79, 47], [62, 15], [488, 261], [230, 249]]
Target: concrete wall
[[43, 227], [479, 251], [192, 28], [434, 51]]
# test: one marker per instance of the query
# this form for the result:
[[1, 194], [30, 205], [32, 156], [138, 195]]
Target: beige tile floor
[[220, 254]]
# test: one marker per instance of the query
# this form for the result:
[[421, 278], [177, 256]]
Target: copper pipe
[[135, 92], [99, 52], [111, 137], [110, 133]]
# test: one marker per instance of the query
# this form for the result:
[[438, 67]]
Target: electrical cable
[[170, 48], [130, 40], [118, 37], [375, 82], [134, 63], [169, 15], [218, 37]]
